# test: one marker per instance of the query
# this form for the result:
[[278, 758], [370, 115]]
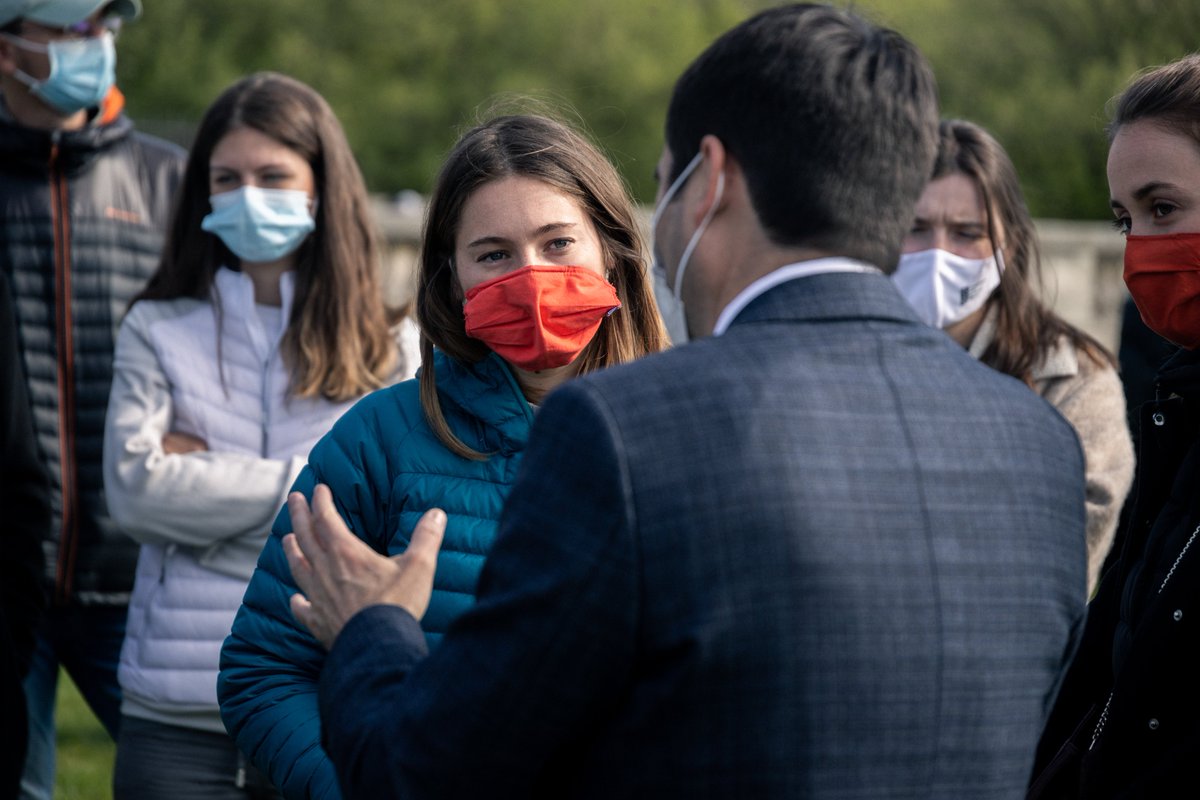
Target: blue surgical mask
[[260, 224], [81, 71]]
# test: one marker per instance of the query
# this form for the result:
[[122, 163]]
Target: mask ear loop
[[695, 240], [669, 195], [26, 44], [22, 76]]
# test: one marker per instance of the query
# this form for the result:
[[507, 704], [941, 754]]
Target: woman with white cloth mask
[[970, 267], [262, 325]]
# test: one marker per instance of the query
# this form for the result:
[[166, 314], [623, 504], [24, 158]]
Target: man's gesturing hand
[[341, 575]]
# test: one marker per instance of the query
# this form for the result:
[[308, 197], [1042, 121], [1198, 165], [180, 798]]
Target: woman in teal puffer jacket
[[531, 271]]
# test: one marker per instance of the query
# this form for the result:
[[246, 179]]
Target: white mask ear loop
[[36, 47], [671, 190], [677, 289]]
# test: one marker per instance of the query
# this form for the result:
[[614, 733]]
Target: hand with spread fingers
[[341, 575]]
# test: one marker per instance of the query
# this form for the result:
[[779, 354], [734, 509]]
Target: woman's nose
[[939, 239]]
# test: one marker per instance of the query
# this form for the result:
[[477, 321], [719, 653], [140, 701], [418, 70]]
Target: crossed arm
[[164, 486]]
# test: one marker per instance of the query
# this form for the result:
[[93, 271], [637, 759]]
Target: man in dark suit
[[817, 552]]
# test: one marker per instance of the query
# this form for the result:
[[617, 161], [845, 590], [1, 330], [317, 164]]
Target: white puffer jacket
[[201, 517]]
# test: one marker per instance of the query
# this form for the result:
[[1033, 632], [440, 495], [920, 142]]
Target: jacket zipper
[[68, 543], [264, 442]]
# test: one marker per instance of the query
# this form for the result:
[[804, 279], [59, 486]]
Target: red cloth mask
[[1163, 275], [539, 317]]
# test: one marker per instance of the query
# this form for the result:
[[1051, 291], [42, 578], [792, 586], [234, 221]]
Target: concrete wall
[[400, 226], [1081, 265]]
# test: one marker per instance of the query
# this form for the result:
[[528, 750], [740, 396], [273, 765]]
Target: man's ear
[[712, 175], [8, 57]]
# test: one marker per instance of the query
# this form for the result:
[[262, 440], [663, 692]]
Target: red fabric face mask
[[1163, 275], [539, 317]]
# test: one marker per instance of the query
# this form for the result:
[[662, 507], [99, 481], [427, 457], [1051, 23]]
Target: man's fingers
[[324, 516], [297, 562], [302, 610], [302, 525], [427, 538], [331, 530]]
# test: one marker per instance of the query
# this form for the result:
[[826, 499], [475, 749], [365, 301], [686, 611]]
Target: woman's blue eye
[[1161, 210], [493, 256], [1122, 225], [560, 244]]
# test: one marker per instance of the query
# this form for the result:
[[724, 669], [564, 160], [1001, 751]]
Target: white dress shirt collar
[[788, 272]]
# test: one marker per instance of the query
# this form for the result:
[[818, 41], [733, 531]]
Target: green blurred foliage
[[407, 77], [1039, 73]]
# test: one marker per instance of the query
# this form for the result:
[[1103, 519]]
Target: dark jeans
[[86, 642], [156, 761]]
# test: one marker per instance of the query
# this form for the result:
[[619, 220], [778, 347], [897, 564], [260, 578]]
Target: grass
[[85, 753]]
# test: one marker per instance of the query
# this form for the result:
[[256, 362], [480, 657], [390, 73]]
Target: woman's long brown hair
[[550, 151], [1026, 328], [337, 344]]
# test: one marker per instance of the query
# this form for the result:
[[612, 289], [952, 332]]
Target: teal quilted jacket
[[385, 468]]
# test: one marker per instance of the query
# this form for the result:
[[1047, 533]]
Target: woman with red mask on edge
[[531, 272], [1126, 722]]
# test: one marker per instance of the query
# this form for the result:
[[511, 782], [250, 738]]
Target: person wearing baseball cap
[[63, 13], [61, 54], [84, 201]]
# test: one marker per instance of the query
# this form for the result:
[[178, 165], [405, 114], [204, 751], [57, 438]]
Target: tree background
[[406, 77]]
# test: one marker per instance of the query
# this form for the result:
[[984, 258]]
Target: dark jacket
[[824, 554], [1127, 722], [82, 216], [25, 499]]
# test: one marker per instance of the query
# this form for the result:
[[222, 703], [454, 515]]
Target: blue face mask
[[81, 71], [260, 224]]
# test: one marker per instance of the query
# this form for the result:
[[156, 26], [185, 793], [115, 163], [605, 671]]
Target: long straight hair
[[552, 152], [337, 344], [1026, 328]]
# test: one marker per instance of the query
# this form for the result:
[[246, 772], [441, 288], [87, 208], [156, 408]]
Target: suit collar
[[829, 296], [788, 272]]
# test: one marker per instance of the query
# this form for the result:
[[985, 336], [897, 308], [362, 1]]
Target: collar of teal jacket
[[483, 403]]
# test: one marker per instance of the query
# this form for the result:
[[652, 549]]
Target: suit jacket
[[826, 554]]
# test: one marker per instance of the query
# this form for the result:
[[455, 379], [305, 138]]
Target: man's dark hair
[[832, 119]]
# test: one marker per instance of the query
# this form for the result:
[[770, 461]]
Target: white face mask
[[677, 288], [944, 288]]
